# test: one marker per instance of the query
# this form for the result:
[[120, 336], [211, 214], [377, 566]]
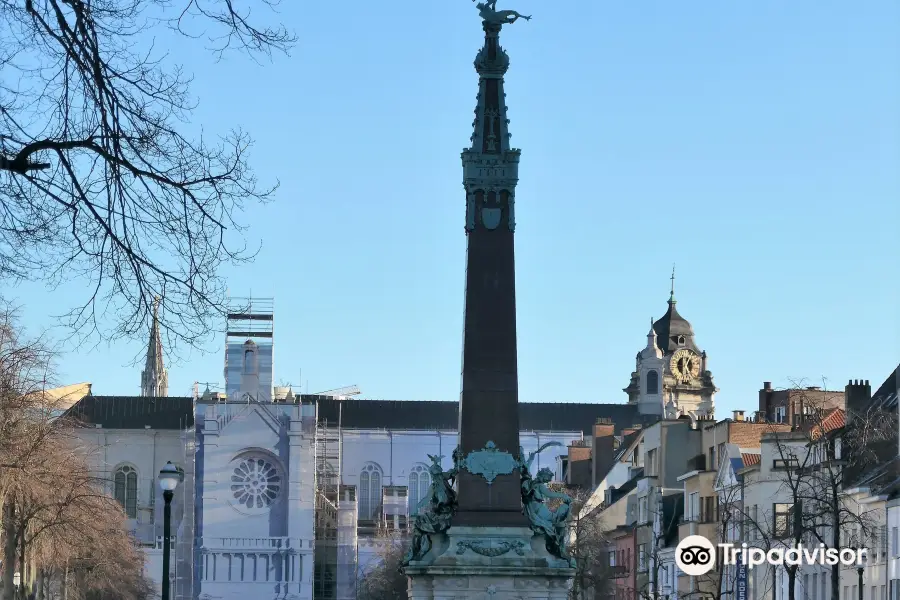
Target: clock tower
[[671, 376]]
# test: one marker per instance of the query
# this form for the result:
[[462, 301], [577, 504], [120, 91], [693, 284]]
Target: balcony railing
[[271, 543]]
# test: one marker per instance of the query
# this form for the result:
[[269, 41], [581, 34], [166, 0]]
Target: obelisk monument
[[486, 532]]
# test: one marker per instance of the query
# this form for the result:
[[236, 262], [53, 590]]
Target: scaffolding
[[183, 576], [250, 323], [327, 485]]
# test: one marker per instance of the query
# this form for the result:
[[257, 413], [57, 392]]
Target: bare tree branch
[[99, 180]]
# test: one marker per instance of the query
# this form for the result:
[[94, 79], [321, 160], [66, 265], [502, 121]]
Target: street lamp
[[861, 560], [169, 477]]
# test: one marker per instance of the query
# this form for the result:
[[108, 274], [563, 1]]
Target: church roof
[[670, 326], [422, 414], [138, 412], [134, 412]]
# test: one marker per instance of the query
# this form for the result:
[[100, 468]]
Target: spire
[[652, 350], [154, 378], [490, 165], [672, 292]]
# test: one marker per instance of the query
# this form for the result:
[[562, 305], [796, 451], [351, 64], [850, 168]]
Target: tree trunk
[[836, 543], [22, 571], [9, 548]]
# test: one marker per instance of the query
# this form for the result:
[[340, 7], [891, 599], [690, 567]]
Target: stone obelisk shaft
[[488, 406]]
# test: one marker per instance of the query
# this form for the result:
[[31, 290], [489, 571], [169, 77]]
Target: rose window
[[255, 483]]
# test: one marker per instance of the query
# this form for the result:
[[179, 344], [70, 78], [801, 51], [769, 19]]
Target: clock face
[[685, 365]]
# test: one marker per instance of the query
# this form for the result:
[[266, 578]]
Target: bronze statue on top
[[490, 14]]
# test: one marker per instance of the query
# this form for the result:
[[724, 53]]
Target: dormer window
[[680, 340]]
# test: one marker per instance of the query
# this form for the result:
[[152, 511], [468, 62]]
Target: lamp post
[[169, 477], [861, 566]]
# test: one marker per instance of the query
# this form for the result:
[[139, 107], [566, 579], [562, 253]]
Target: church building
[[287, 496]]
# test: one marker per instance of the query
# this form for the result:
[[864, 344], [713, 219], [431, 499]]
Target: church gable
[[253, 426]]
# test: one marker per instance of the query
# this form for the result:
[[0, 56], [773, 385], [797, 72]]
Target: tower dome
[[674, 331]]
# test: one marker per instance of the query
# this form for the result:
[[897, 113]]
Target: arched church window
[[249, 362], [652, 382], [255, 483], [369, 492], [418, 486], [126, 490]]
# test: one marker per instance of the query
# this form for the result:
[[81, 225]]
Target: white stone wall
[[259, 551], [146, 451], [397, 452], [893, 549]]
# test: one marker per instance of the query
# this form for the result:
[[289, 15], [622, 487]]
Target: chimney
[[857, 397], [739, 416], [766, 399], [602, 450]]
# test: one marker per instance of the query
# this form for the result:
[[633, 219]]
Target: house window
[[708, 509], [651, 463], [652, 382], [418, 487], [783, 520], [126, 490], [784, 463], [369, 492], [642, 552], [642, 510], [780, 413], [895, 542], [692, 510]]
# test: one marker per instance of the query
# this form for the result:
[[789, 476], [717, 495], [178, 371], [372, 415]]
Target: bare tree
[[50, 499], [817, 460], [384, 581], [99, 179], [588, 545]]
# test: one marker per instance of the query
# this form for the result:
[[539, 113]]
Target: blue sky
[[754, 144]]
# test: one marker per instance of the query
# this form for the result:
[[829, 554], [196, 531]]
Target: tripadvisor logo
[[695, 555]]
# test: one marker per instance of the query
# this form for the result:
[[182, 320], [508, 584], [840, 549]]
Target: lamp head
[[169, 477]]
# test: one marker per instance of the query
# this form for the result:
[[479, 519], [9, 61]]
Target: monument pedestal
[[489, 563]]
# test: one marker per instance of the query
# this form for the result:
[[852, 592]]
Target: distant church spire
[[154, 378]]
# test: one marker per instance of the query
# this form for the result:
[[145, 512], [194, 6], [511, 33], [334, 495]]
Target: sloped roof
[[134, 412], [886, 395], [423, 414], [137, 412], [747, 459], [673, 324]]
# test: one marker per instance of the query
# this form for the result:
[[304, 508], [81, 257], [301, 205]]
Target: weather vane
[[490, 14]]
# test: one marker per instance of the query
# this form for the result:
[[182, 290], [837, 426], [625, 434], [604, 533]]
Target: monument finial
[[672, 291], [491, 16]]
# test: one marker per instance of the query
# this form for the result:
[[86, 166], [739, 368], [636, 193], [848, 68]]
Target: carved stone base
[[489, 563]]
